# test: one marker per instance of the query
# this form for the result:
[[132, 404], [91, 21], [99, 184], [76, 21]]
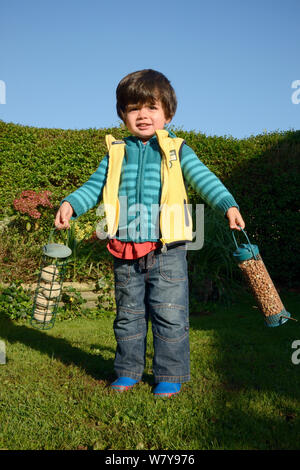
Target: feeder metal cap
[[245, 251], [57, 250]]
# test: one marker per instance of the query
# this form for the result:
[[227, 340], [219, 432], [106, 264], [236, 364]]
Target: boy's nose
[[142, 112]]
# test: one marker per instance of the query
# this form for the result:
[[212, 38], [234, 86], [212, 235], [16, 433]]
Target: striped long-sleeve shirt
[[140, 183]]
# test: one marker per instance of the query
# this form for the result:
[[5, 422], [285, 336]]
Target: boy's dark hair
[[146, 86]]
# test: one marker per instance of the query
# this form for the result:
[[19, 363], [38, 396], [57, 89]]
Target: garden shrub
[[262, 173]]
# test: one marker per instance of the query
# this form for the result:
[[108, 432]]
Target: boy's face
[[142, 120]]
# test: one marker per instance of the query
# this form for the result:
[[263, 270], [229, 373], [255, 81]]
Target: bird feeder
[[49, 286], [258, 279]]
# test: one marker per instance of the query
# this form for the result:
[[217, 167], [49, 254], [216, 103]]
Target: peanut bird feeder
[[258, 279]]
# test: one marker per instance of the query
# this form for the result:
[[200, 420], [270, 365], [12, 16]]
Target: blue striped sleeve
[[90, 193], [205, 182]]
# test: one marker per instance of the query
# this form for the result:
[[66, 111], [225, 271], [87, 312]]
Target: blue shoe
[[166, 389], [123, 383]]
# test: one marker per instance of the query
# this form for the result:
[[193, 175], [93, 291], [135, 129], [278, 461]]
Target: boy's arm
[[90, 193], [84, 198], [210, 188]]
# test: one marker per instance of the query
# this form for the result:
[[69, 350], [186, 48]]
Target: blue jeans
[[157, 291]]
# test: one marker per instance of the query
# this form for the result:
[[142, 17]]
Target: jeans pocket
[[121, 272], [173, 265]]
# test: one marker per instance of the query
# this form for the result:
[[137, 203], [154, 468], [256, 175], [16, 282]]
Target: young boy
[[149, 169]]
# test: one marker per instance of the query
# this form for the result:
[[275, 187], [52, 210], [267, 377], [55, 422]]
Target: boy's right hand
[[63, 216]]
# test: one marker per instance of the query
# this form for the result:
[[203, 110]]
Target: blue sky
[[232, 63]]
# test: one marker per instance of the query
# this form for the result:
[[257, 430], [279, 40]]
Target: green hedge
[[262, 173]]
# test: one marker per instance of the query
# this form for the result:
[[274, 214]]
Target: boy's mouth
[[143, 126]]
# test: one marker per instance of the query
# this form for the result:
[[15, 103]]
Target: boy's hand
[[63, 216], [234, 217]]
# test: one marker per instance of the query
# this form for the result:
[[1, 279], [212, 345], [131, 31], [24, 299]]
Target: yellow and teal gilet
[[175, 220]]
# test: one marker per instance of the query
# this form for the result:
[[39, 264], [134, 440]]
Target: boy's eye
[[134, 108]]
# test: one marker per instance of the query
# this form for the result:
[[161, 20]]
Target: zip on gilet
[[175, 219]]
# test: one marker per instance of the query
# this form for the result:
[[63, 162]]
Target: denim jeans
[[158, 292]]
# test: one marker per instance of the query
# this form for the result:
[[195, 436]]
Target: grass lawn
[[244, 392]]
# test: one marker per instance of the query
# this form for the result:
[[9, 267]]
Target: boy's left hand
[[235, 219]]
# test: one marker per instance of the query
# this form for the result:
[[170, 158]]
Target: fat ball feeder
[[49, 286]]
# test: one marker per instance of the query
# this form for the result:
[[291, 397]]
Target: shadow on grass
[[249, 353], [249, 371], [94, 365]]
